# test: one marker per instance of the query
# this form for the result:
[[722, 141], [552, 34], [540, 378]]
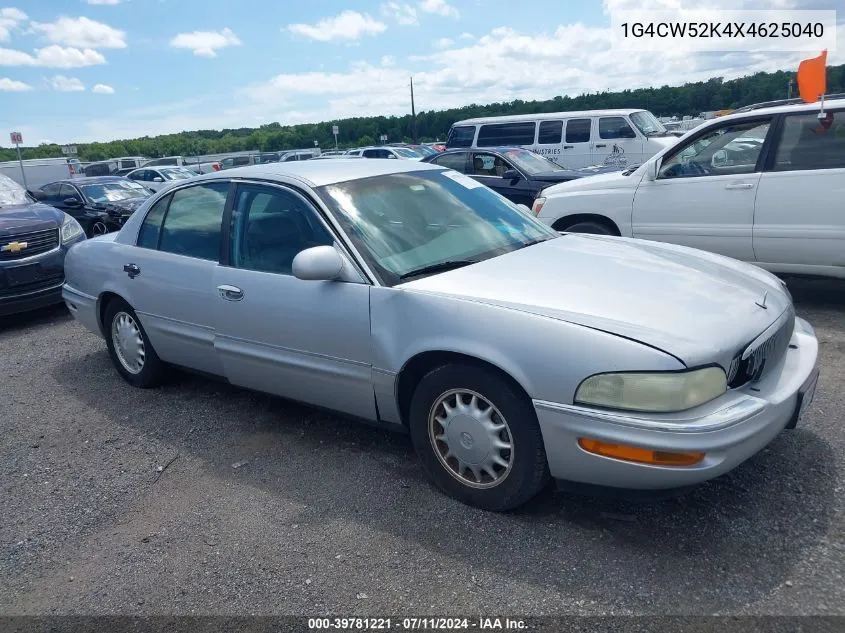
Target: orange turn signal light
[[639, 455]]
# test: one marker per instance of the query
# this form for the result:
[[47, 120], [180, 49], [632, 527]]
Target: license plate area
[[22, 275], [805, 398]]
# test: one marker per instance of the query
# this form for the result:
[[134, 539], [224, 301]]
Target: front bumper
[[41, 288], [728, 430]]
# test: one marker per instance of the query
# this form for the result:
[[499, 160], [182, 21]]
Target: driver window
[[489, 165], [68, 192], [727, 150]]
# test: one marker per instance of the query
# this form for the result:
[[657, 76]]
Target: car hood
[[28, 217], [613, 180], [696, 306], [565, 175], [122, 207]]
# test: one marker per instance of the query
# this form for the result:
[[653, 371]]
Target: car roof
[[501, 149], [317, 173], [546, 116], [86, 180], [781, 109]]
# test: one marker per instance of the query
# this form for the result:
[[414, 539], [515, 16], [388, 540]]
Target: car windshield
[[426, 150], [407, 222], [177, 173], [113, 191], [407, 152], [11, 193], [647, 123], [530, 162]]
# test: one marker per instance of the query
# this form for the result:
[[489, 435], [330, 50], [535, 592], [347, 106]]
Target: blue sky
[[82, 70]]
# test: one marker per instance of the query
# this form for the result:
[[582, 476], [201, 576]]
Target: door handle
[[740, 185], [230, 293], [568, 147], [132, 270], [601, 145]]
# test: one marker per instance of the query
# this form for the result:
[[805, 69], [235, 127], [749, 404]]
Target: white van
[[571, 139], [40, 171]]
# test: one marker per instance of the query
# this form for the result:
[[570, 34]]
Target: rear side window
[[578, 130], [127, 164], [461, 136], [457, 162], [615, 127], [51, 190], [148, 235], [506, 134], [809, 143], [241, 160], [551, 133], [192, 224]]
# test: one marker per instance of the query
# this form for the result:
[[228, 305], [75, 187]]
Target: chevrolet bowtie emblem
[[762, 302], [13, 247]]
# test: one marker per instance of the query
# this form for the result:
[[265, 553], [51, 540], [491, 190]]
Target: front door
[[304, 340], [616, 143], [171, 275], [489, 169], [704, 192], [550, 140], [799, 218]]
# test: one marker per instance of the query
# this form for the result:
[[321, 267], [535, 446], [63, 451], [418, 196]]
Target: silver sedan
[[411, 295]]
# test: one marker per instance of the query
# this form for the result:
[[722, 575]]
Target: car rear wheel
[[593, 228], [130, 349], [478, 437]]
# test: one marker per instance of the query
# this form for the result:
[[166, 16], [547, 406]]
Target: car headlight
[[71, 229], [538, 205], [657, 392]]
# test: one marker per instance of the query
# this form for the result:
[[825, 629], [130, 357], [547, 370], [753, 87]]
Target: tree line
[[688, 99]]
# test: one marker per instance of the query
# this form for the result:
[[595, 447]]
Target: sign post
[[17, 139], [383, 138], [335, 131]]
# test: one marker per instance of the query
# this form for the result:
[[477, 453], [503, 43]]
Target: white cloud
[[66, 84], [102, 1], [403, 14], [10, 85], [347, 25], [81, 33], [206, 43], [388, 60], [443, 42], [10, 19], [52, 57], [102, 89], [467, 36], [440, 7]]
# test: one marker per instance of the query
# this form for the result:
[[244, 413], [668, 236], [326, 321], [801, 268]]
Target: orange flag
[[812, 81]]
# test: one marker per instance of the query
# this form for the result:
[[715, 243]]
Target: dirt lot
[[122, 501]]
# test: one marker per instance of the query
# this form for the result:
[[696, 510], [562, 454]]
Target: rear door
[[616, 142], [171, 276], [799, 215], [456, 161], [576, 151], [550, 140]]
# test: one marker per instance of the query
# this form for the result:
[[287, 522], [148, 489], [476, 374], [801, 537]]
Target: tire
[[593, 228], [152, 371], [527, 471]]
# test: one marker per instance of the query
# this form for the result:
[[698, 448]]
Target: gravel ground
[[122, 501]]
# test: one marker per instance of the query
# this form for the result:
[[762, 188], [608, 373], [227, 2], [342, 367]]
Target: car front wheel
[[478, 437], [130, 349]]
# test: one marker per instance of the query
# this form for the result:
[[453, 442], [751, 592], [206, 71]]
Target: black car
[[101, 204], [34, 238], [516, 173]]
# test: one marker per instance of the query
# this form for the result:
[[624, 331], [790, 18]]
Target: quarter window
[[271, 226], [452, 161], [461, 136], [551, 133], [506, 134], [615, 127], [150, 228], [578, 130], [729, 149], [192, 224], [809, 143]]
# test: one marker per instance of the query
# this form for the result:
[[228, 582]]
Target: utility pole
[[413, 113], [790, 89]]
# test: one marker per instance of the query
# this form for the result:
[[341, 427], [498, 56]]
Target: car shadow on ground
[[747, 529], [43, 318]]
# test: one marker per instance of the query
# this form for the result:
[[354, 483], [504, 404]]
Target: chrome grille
[[765, 355], [36, 242]]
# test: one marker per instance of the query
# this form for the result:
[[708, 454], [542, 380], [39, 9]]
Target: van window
[[551, 133], [808, 143], [578, 130], [496, 134], [461, 136], [614, 127]]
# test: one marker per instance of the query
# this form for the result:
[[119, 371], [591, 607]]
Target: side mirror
[[72, 202], [158, 179], [651, 169], [511, 174], [320, 263], [719, 158]]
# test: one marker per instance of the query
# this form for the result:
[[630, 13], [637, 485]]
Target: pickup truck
[[185, 161]]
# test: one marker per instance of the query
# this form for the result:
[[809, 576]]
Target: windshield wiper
[[449, 264]]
